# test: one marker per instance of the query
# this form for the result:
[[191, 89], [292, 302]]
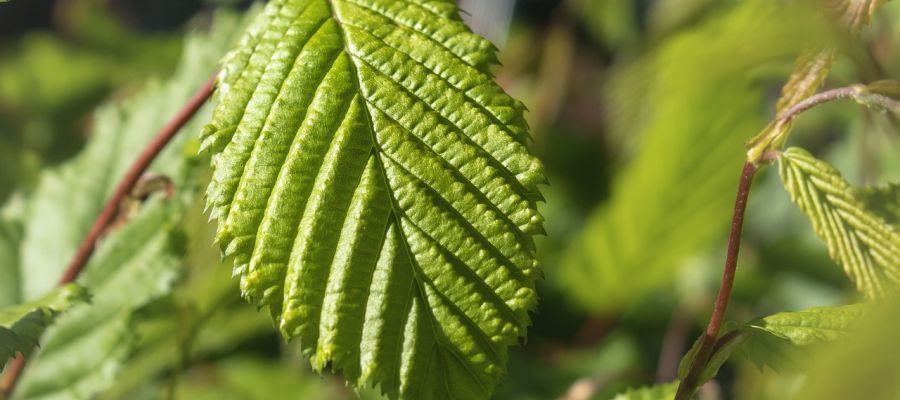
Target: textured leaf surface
[[865, 245], [22, 325], [138, 261], [373, 185], [809, 73]]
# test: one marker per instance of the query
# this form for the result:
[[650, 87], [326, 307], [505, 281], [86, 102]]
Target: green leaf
[[730, 338], [815, 325], [140, 258], [695, 109], [865, 245], [10, 235], [862, 367], [83, 352], [810, 71], [374, 187], [777, 340], [664, 391], [22, 325], [196, 321]]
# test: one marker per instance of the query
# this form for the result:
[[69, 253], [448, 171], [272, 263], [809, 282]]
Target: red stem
[[688, 386], [819, 98], [131, 178], [110, 211]]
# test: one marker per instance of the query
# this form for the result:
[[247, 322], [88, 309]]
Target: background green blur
[[639, 109]]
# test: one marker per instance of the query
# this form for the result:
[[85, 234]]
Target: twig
[[688, 386], [108, 215], [820, 98], [775, 134], [131, 178]]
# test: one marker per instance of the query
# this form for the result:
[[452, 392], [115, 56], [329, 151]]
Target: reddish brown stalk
[[819, 98], [688, 385], [131, 178], [110, 211]]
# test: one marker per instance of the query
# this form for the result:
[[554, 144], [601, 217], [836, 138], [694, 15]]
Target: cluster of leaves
[[860, 235]]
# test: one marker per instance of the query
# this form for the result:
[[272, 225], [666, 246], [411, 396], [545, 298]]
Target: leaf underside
[[373, 185], [864, 244], [139, 259], [131, 267]]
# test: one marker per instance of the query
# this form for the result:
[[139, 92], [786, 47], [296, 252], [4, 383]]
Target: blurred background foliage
[[639, 109]]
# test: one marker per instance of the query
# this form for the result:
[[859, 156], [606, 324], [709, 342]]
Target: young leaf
[[664, 391], [730, 338], [776, 340], [809, 73], [854, 13], [864, 366], [815, 325], [865, 245], [21, 325], [374, 187]]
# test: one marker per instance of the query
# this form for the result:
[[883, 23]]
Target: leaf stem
[[110, 211], [688, 385]]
